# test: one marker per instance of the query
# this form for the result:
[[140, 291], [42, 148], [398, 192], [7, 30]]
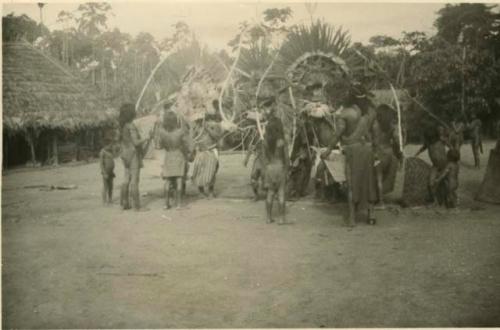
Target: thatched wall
[[40, 93]]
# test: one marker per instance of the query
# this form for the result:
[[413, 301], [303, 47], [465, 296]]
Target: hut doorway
[[15, 150]]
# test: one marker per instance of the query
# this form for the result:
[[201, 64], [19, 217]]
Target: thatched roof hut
[[41, 93], [43, 102]]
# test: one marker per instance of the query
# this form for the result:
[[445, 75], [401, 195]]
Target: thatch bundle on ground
[[43, 101]]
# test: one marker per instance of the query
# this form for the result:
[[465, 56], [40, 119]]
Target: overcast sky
[[216, 23]]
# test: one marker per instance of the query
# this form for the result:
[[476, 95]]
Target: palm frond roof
[[41, 93]]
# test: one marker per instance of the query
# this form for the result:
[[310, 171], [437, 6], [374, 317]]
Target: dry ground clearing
[[69, 262]]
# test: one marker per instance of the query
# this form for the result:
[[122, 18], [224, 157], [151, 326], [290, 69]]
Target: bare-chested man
[[354, 131]]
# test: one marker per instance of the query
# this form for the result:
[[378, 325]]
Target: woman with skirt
[[173, 140]]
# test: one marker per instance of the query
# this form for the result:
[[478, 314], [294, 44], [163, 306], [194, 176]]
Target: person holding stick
[[132, 152]]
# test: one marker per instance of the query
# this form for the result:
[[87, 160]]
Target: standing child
[[448, 179], [276, 169], [107, 164]]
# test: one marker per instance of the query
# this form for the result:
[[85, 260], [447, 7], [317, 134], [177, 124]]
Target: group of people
[[367, 137], [175, 139], [443, 145], [180, 149]]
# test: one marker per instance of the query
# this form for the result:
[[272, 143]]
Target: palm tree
[[40, 5]]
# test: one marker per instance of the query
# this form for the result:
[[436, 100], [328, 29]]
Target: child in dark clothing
[[448, 179], [107, 164]]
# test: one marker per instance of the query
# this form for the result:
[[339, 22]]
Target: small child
[[257, 173], [448, 178], [107, 164], [276, 169]]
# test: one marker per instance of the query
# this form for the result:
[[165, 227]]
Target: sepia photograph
[[250, 164]]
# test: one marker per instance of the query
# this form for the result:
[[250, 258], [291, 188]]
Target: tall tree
[[474, 21], [92, 21], [15, 28]]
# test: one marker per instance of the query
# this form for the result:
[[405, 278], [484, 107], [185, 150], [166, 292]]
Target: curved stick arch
[[150, 78]]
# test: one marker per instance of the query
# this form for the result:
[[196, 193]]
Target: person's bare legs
[[124, 191], [104, 190], [134, 188], [255, 186], [380, 186], [371, 215], [351, 220], [269, 205], [167, 193], [211, 188], [475, 152], [433, 186], [183, 190], [281, 200], [110, 190], [201, 189], [178, 191]]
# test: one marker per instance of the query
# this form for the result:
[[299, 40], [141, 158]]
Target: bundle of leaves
[[198, 91]]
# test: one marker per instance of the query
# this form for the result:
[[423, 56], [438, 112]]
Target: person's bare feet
[[351, 223]]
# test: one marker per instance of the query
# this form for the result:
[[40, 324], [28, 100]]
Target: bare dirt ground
[[69, 262]]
